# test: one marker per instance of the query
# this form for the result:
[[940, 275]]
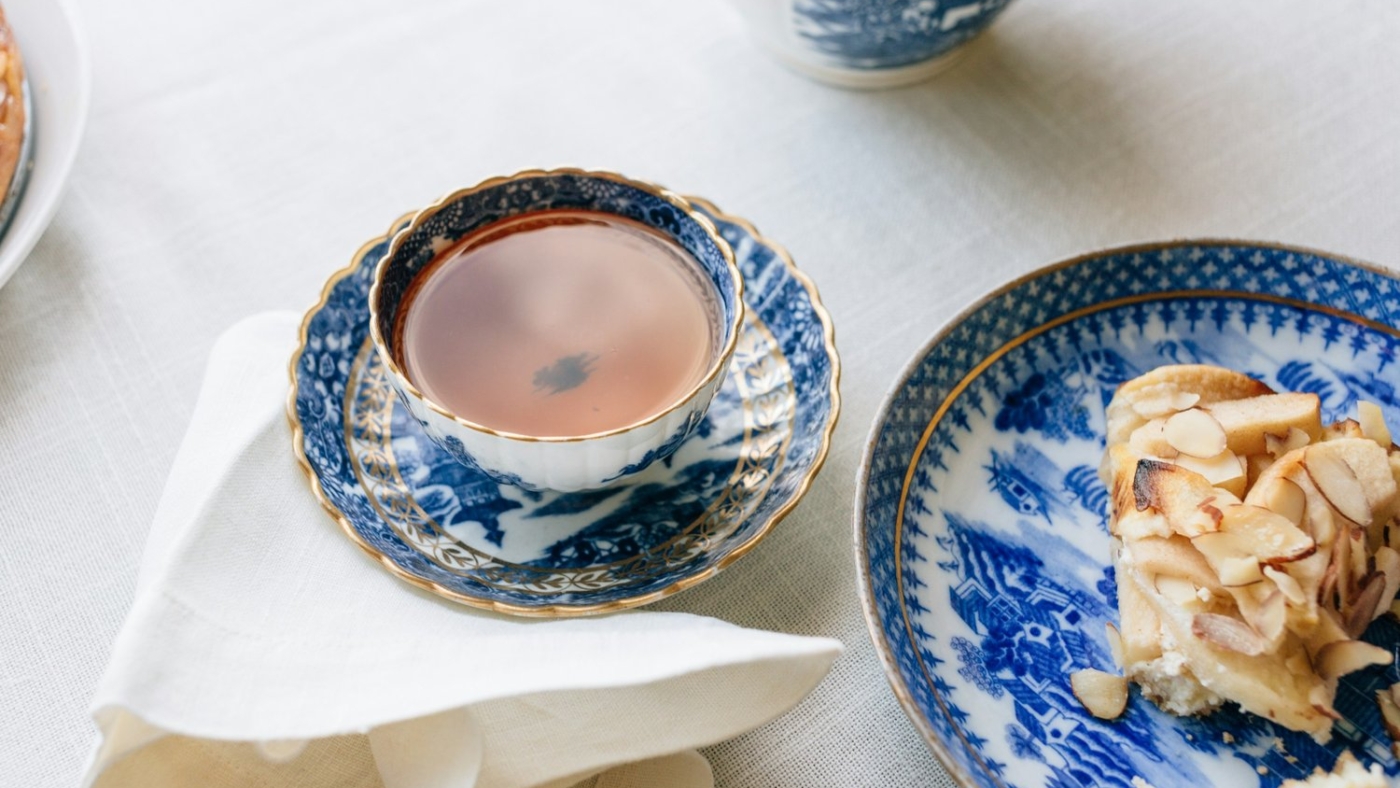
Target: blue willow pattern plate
[[449, 529], [981, 525]]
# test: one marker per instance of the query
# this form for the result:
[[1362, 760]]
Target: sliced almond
[[1320, 521], [1104, 695], [1346, 428], [1165, 403], [1182, 593], [1255, 465], [1344, 657], [1228, 633], [1177, 493], [1372, 421], [1282, 497], [1291, 590], [1115, 643], [1141, 626], [1268, 618], [1195, 432], [1272, 537], [1328, 587], [1282, 443], [1338, 483], [1388, 564], [1172, 557], [1360, 560], [1341, 560], [1390, 716], [1321, 696], [1251, 533], [1236, 572], [1367, 604], [1149, 440], [1298, 664], [1225, 470]]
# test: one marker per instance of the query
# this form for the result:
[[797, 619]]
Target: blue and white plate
[[981, 525], [451, 530]]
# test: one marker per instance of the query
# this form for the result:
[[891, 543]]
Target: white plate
[[60, 83]]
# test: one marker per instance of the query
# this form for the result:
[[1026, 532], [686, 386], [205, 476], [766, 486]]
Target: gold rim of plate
[[864, 583], [567, 611], [719, 366]]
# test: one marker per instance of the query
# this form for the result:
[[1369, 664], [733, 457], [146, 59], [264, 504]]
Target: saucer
[[982, 527], [451, 530]]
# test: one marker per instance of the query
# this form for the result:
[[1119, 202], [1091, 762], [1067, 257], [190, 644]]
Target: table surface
[[239, 152]]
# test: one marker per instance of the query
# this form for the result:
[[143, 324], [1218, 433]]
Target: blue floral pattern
[[982, 534], [448, 525], [890, 33]]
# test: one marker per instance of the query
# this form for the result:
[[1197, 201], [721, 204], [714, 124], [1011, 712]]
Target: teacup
[[562, 462], [868, 43]]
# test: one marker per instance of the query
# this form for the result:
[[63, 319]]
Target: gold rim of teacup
[[564, 610], [717, 366]]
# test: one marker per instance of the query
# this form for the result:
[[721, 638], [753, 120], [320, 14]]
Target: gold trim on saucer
[[559, 611], [718, 365], [865, 583]]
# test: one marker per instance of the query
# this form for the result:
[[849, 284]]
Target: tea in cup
[[557, 330]]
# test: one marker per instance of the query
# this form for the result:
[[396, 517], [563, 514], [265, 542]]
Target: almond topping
[[1372, 421], [1282, 497], [1289, 587], [1343, 657], [1388, 564], [1240, 571], [1228, 633], [1338, 484], [1104, 695], [1184, 593], [1367, 604], [1390, 716], [1269, 617], [1225, 470], [1279, 445], [1165, 403], [1196, 433], [1115, 643]]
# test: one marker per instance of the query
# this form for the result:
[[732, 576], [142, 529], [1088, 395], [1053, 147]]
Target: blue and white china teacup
[[868, 43], [542, 461]]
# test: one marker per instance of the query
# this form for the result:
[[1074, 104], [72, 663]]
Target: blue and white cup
[[868, 43], [565, 464]]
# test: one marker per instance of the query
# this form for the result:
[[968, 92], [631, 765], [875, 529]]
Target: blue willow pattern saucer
[[449, 529], [981, 526]]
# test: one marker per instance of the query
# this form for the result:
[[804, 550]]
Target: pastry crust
[[12, 114]]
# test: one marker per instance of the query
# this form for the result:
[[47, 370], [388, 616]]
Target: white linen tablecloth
[[239, 152]]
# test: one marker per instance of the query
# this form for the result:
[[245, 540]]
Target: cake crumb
[[1346, 773]]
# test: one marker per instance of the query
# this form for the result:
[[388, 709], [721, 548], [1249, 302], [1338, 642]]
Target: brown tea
[[559, 324]]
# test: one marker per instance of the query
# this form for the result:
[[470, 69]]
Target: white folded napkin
[[265, 649]]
